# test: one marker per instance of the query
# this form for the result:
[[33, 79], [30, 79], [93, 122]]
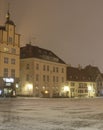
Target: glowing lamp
[[66, 88], [89, 88], [46, 92]]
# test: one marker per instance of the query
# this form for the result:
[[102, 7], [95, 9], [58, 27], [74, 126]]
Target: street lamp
[[29, 87], [89, 89], [46, 92], [66, 90]]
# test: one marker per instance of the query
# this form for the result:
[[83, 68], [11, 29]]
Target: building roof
[[2, 28], [30, 51], [92, 70], [89, 73], [9, 22]]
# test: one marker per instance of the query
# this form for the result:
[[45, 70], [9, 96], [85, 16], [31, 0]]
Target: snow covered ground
[[51, 114]]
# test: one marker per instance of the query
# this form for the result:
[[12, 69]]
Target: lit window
[[6, 49]]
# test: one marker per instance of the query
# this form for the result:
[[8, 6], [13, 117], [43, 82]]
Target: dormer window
[[70, 77], [45, 52], [40, 51], [76, 77], [83, 78]]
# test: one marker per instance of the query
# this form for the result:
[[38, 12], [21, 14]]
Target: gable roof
[[89, 73], [30, 51]]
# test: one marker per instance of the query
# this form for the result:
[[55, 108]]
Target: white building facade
[[42, 73]]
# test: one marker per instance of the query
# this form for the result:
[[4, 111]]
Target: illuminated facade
[[42, 73], [9, 57], [85, 82]]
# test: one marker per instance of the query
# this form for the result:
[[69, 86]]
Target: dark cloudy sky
[[72, 29]]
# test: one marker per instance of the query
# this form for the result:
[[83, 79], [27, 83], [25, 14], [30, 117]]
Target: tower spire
[[8, 14]]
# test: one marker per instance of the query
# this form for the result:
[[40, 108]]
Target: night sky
[[72, 29]]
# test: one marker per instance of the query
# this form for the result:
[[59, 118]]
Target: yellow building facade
[[80, 89], [83, 82], [42, 74], [9, 57]]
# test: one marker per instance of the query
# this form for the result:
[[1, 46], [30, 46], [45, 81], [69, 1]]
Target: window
[[57, 79], [37, 77], [86, 91], [12, 72], [37, 66], [10, 40], [62, 70], [48, 78], [80, 85], [5, 72], [39, 51], [12, 61], [62, 79], [56, 69], [80, 91], [44, 78], [72, 89], [53, 78], [27, 77], [72, 84], [6, 60], [47, 67], [85, 84], [93, 85], [44, 67], [53, 69], [27, 66]]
